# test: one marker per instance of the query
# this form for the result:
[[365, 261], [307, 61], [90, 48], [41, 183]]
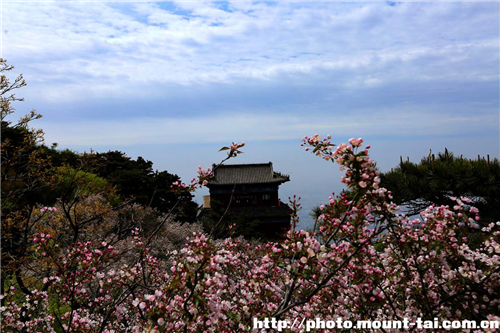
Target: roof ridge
[[245, 164], [248, 173]]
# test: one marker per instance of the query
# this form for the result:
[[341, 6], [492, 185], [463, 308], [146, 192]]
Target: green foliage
[[436, 179], [71, 184], [60, 157], [133, 179], [24, 174], [24, 167], [136, 179]]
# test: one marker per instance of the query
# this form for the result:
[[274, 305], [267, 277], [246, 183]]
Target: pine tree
[[436, 179]]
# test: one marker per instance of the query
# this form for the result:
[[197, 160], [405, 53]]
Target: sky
[[175, 81]]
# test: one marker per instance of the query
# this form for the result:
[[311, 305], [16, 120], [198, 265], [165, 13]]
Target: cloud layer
[[158, 61]]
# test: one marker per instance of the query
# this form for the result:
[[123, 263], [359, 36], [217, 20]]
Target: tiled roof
[[247, 174]]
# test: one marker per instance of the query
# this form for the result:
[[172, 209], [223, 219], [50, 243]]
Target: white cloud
[[192, 42]]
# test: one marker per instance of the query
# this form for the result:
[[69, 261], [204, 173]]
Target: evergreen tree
[[438, 178]]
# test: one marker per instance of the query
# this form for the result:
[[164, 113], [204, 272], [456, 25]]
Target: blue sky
[[175, 81]]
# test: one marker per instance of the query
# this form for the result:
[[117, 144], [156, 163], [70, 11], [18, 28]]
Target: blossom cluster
[[200, 181], [363, 261], [50, 209], [205, 175]]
